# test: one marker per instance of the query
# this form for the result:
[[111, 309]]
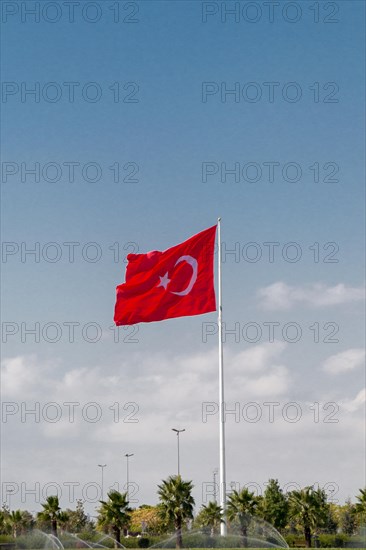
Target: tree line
[[305, 511]]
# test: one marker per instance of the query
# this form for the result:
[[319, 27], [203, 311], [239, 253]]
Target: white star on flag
[[164, 281]]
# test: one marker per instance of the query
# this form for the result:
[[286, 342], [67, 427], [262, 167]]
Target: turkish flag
[[173, 283]]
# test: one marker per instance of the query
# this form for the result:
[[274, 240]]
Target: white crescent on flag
[[194, 264]]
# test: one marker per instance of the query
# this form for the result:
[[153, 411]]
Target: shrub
[[333, 541], [33, 540], [129, 542], [294, 540]]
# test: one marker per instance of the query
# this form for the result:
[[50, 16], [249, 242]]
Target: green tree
[[150, 518], [274, 505], [77, 519], [347, 518], [210, 515], [309, 507], [176, 503], [52, 513], [332, 521], [114, 514], [242, 505]]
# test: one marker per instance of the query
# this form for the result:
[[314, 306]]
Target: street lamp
[[102, 466], [178, 432], [127, 457]]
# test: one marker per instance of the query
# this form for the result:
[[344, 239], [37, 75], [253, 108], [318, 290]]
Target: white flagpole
[[223, 528]]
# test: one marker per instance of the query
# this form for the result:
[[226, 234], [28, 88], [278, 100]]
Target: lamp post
[[178, 432], [102, 466], [128, 480]]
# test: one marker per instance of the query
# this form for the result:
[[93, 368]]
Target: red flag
[[173, 283]]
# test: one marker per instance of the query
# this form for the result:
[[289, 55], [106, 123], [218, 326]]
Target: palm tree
[[309, 507], [51, 512], [360, 506], [242, 505], [176, 503], [114, 514], [63, 520], [16, 521], [362, 499], [5, 528], [211, 515]]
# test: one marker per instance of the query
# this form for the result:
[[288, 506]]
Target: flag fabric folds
[[174, 283]]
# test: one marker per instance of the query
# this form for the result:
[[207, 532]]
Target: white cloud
[[166, 390], [279, 295], [170, 391], [275, 383], [352, 405], [255, 372], [256, 358], [25, 376], [344, 361]]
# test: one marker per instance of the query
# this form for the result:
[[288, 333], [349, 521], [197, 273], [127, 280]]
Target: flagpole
[[223, 528]]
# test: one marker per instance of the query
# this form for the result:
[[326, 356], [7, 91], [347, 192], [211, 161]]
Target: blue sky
[[164, 138]]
